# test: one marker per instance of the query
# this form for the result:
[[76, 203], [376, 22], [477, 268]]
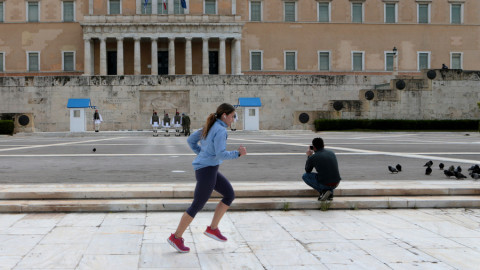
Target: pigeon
[[392, 169], [441, 166], [459, 175], [474, 169], [399, 167], [459, 169], [475, 176], [451, 168], [428, 171], [94, 150], [428, 164], [448, 173]]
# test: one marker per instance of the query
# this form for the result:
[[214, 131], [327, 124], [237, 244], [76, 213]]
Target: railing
[[170, 18]]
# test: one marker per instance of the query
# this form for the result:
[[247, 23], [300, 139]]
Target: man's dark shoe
[[325, 195], [330, 198]]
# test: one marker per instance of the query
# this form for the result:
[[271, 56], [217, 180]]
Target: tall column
[[188, 56], [234, 7], [170, 7], [120, 56], [238, 56], [154, 6], [87, 57], [221, 55], [232, 56], [171, 56], [137, 69], [103, 56], [205, 67], [154, 62]]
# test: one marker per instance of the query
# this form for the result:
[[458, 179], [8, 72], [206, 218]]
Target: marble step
[[242, 189], [266, 203]]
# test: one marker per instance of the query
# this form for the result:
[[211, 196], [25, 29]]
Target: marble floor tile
[[129, 229], [235, 243], [421, 266], [318, 236], [297, 267], [163, 218], [349, 259], [53, 256], [414, 216], [8, 262], [357, 230], [25, 230], [12, 245], [275, 245], [300, 223], [332, 247], [459, 258], [7, 220], [470, 242], [165, 256], [286, 257], [248, 218], [385, 221], [109, 262], [115, 244], [82, 219], [70, 235], [258, 232], [40, 220], [333, 216], [231, 261], [448, 229], [116, 219]]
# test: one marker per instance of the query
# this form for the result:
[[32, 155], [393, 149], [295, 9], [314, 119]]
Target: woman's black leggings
[[209, 179]]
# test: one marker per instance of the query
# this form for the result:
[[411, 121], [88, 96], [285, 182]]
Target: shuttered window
[[290, 59], [456, 11], [456, 61], [210, 7], [68, 11], [256, 58], [357, 61], [68, 61], [33, 11], [2, 69], [33, 61], [255, 11], [423, 13], [177, 7], [323, 13], [423, 61], [389, 61], [289, 11], [357, 12], [114, 6], [390, 16], [148, 8], [324, 61], [1, 12]]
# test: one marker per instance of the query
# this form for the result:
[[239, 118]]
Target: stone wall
[[127, 102]]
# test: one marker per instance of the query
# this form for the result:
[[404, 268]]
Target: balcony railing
[[170, 18]]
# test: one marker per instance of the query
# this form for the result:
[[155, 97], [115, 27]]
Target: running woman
[[210, 153]]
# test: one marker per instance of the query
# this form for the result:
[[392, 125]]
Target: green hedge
[[6, 127], [349, 124]]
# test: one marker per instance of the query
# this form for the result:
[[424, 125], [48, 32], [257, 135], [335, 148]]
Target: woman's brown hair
[[223, 108]]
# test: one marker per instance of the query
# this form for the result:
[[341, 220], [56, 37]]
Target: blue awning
[[249, 102], [78, 103]]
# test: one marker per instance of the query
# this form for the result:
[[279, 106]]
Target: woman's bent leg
[[223, 187]]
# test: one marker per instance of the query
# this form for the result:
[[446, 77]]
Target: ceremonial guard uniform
[[166, 124], [177, 123], [186, 124], [97, 119], [154, 122]]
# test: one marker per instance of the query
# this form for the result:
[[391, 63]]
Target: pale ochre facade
[[272, 36]]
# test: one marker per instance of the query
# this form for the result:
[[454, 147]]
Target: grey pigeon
[[392, 169], [458, 169], [441, 166], [428, 171], [459, 175], [451, 168], [448, 173], [475, 176], [399, 167], [428, 164], [94, 150]]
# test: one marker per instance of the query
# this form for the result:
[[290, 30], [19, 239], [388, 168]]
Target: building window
[[390, 12], [251, 112], [68, 61], [1, 12], [255, 11], [210, 7], [2, 62], [114, 7], [456, 13], [324, 61], [177, 7], [389, 61], [357, 12], [76, 113], [147, 9], [162, 7], [357, 61], [324, 11], [68, 11], [423, 13], [456, 60], [290, 11], [290, 60], [33, 11], [423, 60], [33, 61], [256, 62]]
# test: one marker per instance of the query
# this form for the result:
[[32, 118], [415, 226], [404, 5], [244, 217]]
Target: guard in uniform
[[154, 122], [97, 119], [177, 123], [186, 124], [166, 124]]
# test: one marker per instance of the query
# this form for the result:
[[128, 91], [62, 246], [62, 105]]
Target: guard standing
[[166, 124], [97, 119], [154, 122], [186, 124], [177, 123]]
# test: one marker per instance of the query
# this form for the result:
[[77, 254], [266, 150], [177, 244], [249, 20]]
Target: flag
[[184, 3], [145, 5], [165, 4]]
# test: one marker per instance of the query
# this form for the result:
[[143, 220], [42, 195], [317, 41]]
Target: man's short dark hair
[[318, 143]]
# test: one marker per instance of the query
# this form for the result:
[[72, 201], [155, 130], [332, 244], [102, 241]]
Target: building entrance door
[[112, 63], [162, 62], [77, 120], [213, 62], [251, 118]]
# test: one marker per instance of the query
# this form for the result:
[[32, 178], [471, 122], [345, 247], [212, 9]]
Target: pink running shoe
[[215, 234], [177, 243]]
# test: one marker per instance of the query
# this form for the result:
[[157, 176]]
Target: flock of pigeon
[[473, 171]]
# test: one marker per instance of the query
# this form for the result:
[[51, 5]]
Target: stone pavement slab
[[308, 239]]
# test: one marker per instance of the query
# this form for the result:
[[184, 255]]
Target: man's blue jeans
[[311, 180]]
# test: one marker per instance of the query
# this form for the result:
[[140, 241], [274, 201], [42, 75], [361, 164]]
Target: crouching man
[[327, 177]]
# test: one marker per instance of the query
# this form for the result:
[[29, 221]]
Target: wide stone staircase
[[142, 197]]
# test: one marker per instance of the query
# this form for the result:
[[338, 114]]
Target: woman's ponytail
[[208, 125], [223, 108]]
